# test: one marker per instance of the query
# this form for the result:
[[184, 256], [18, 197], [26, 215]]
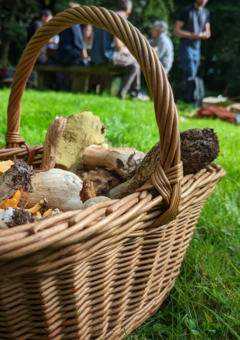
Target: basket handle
[[165, 109]]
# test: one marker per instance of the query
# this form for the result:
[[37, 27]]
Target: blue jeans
[[190, 59]]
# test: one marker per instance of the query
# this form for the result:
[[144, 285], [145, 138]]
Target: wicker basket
[[80, 275]]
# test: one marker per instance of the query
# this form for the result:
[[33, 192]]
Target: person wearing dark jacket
[[71, 49], [44, 16]]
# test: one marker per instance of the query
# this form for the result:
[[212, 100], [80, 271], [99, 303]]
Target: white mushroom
[[93, 201], [11, 217]]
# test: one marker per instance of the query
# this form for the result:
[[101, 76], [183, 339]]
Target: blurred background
[[220, 62]]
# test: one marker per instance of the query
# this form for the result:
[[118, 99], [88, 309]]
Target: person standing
[[192, 27], [44, 16], [71, 48], [109, 49], [162, 44], [55, 79]]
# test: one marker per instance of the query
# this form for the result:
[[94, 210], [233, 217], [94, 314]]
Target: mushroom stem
[[42, 203]]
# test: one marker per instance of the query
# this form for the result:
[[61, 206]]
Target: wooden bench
[[80, 75]]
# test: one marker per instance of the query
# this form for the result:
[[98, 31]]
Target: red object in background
[[215, 112]]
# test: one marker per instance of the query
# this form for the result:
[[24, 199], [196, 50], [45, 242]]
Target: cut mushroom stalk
[[124, 161]]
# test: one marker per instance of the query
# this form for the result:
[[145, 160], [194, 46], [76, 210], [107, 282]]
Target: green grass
[[205, 303]]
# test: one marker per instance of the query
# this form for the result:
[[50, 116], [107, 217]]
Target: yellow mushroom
[[4, 166], [47, 213], [14, 200], [42, 203], [37, 215], [51, 212]]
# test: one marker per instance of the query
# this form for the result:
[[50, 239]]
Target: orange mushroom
[[13, 201], [4, 166]]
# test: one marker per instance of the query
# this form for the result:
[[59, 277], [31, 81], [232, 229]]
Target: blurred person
[[72, 49], [162, 44], [87, 31], [44, 16], [109, 49], [192, 27]]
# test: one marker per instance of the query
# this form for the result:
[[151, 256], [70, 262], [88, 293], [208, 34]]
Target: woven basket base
[[117, 333], [102, 297]]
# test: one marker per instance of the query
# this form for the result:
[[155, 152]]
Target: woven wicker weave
[[83, 275]]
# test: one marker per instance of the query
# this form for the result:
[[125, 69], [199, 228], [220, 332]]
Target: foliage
[[144, 12], [205, 303], [15, 17], [222, 51]]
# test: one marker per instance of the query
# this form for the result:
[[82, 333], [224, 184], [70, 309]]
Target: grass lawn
[[205, 303]]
